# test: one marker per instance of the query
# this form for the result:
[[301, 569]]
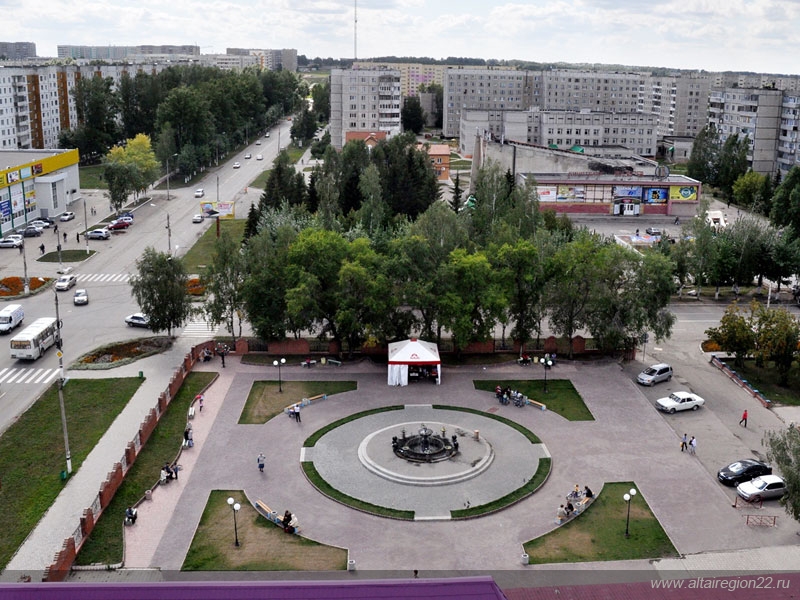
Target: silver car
[[655, 374], [762, 488]]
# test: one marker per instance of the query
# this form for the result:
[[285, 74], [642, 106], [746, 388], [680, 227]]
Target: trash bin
[[63, 475], [323, 360], [148, 495], [141, 374], [351, 565], [524, 559]]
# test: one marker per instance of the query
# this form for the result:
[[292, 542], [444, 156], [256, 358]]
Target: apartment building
[[754, 113], [592, 90], [17, 50], [272, 60], [121, 52], [579, 131], [412, 75], [679, 101], [366, 100], [788, 137], [229, 62]]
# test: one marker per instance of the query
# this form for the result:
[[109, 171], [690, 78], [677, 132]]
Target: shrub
[[195, 287]]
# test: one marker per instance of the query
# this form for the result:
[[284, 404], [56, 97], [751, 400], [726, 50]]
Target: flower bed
[[15, 286]]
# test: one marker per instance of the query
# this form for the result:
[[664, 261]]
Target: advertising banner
[[656, 195], [547, 193], [683, 192], [218, 210], [628, 191]]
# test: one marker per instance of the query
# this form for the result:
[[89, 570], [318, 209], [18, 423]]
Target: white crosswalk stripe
[[199, 329], [104, 277], [30, 375]]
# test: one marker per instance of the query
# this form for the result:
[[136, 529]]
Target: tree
[[122, 179], [748, 189], [786, 202], [412, 117], [321, 95], [138, 155], [704, 159], [159, 287], [455, 201], [783, 449], [735, 332], [373, 209], [777, 333], [264, 288], [732, 163], [96, 108], [224, 279]]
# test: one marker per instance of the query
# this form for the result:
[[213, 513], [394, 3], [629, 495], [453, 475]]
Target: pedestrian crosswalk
[[199, 328], [32, 375], [104, 277]]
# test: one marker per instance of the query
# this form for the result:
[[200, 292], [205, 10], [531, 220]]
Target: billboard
[[218, 210], [656, 195], [628, 191], [683, 192], [547, 193]]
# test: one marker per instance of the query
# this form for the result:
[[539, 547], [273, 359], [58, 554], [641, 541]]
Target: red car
[[118, 225]]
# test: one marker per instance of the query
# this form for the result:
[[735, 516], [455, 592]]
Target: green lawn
[[213, 548], [599, 532], [104, 545], [199, 255], [561, 397], [67, 256], [260, 182], [91, 178], [765, 380], [265, 401], [32, 452]]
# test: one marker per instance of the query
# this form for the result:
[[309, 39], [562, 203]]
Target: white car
[[67, 216], [762, 488], [65, 282], [259, 157], [197, 219], [655, 374], [199, 193], [81, 297], [258, 142], [248, 156], [266, 136], [236, 165], [11, 242], [679, 401], [98, 234], [40, 224]]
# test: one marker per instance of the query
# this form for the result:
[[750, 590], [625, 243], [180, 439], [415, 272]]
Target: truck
[[10, 317]]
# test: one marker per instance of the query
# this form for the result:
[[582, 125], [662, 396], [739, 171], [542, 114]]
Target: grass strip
[[32, 454], [213, 547], [533, 484], [315, 437], [599, 532], [561, 397], [104, 545], [265, 401], [325, 488], [508, 422]]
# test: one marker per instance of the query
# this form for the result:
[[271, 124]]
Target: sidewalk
[[63, 517]]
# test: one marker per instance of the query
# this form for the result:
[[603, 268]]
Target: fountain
[[425, 446]]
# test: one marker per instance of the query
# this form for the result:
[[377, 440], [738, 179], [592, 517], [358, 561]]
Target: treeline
[[194, 112]]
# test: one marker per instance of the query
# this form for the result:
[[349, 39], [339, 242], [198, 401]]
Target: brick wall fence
[[742, 383], [65, 558]]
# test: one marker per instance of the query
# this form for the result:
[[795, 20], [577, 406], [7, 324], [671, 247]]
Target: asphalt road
[[110, 301]]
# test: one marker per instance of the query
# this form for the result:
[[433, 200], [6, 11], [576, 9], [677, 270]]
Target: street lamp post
[[628, 497], [278, 364], [169, 233], [86, 225], [546, 363], [27, 289], [61, 383], [235, 506]]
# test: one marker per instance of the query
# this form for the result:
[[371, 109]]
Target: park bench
[[308, 363], [269, 514], [537, 404], [334, 362], [191, 412]]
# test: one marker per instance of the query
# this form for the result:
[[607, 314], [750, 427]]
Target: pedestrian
[[21, 249], [684, 442], [190, 439], [78, 237], [65, 237], [200, 399], [743, 420], [186, 436], [55, 229], [41, 249], [693, 445], [297, 412], [260, 460]]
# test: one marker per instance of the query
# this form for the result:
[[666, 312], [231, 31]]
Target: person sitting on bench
[[130, 516], [587, 492]]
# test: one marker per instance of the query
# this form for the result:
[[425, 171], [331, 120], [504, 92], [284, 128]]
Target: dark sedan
[[743, 470]]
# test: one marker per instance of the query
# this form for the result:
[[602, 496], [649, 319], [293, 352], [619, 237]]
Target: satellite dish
[[662, 171]]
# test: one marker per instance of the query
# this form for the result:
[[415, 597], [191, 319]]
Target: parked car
[[199, 193], [66, 282], [32, 231], [248, 156], [679, 401], [655, 374], [259, 157], [138, 320], [236, 165], [743, 470], [11, 242], [197, 219], [125, 218], [762, 488], [118, 224], [40, 223], [654, 231], [81, 297], [266, 136], [258, 142], [67, 216], [129, 215], [98, 234]]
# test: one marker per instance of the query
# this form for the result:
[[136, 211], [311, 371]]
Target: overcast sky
[[748, 35]]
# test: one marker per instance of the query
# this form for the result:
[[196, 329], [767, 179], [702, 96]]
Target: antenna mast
[[355, 30]]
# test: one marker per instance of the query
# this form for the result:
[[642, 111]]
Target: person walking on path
[[55, 230], [693, 445], [41, 249], [260, 460], [297, 412], [684, 442], [200, 399], [78, 237], [743, 420], [65, 237]]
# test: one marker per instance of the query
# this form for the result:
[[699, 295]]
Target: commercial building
[[17, 50], [36, 183], [366, 100]]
